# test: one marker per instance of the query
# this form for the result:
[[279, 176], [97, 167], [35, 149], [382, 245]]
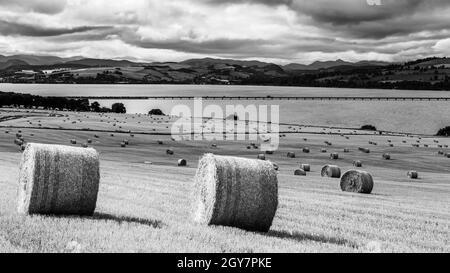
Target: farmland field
[[144, 199]]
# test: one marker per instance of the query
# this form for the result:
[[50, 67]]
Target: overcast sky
[[280, 31]]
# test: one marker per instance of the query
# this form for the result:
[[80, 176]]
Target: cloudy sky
[[281, 31]]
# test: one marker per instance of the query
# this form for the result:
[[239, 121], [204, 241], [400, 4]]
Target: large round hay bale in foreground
[[357, 181], [58, 180], [331, 171], [235, 192]]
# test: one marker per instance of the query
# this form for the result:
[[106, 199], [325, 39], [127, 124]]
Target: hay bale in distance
[[306, 150], [364, 150], [323, 151], [357, 163], [182, 163], [300, 172], [357, 181], [413, 174], [387, 156], [291, 155], [58, 180], [261, 157], [170, 152], [269, 152], [73, 142], [346, 150], [275, 166], [305, 167], [331, 171], [334, 156], [236, 192]]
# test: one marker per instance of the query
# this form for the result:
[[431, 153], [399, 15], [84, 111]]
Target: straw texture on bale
[[58, 180], [357, 181], [236, 192], [331, 171]]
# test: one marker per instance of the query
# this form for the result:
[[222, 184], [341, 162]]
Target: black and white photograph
[[224, 127]]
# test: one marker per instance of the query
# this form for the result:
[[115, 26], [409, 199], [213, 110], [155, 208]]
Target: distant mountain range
[[32, 60], [430, 73]]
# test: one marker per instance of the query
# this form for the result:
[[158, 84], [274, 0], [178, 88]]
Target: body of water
[[422, 117]]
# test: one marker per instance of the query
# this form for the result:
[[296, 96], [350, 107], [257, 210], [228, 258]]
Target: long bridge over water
[[265, 98]]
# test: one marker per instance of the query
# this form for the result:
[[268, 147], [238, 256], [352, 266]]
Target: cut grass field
[[146, 207]]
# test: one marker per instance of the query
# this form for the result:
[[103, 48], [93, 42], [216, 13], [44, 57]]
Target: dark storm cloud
[[18, 29], [213, 46]]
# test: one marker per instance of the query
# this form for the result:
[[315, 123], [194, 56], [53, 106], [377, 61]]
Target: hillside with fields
[[426, 74]]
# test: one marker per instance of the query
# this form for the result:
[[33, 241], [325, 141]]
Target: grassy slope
[[145, 208]]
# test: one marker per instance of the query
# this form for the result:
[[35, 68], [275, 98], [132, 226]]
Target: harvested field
[[144, 207]]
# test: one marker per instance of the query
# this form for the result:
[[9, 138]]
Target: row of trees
[[56, 103]]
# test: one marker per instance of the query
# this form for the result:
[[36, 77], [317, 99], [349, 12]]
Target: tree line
[[56, 103]]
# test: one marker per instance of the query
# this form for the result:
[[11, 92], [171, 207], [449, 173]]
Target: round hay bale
[[357, 181], [96, 136], [306, 150], [334, 156], [84, 145], [18, 142], [357, 163], [269, 152], [291, 155], [123, 145], [275, 166], [182, 163], [160, 142], [346, 150], [126, 142], [391, 145], [170, 152], [305, 167], [413, 174], [249, 147], [323, 151], [261, 157], [89, 141], [387, 156], [73, 142], [58, 180], [235, 192], [213, 145], [300, 172], [364, 150], [441, 153], [331, 171]]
